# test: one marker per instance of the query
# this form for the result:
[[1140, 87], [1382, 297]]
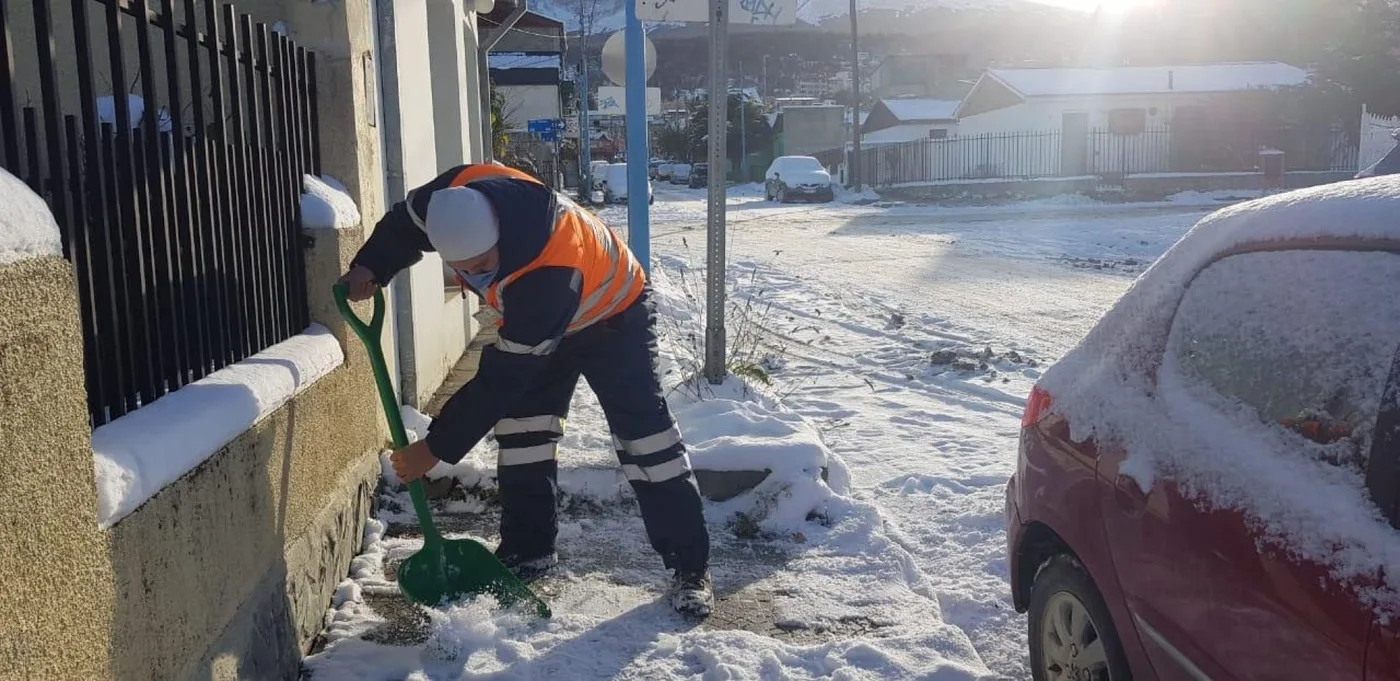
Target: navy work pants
[[618, 358]]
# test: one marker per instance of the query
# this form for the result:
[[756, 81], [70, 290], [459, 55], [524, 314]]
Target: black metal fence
[[1100, 153], [169, 142]]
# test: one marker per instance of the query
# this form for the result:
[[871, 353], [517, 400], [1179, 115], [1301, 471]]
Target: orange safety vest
[[612, 277]]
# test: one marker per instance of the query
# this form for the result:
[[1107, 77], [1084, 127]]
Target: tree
[[671, 142], [755, 128], [499, 139]]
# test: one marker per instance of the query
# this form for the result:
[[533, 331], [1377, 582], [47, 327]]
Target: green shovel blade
[[444, 570], [451, 569]]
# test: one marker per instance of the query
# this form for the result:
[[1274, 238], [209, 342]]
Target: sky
[[1089, 5]]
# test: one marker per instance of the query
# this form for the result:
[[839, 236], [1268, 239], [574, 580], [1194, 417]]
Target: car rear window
[[1304, 339], [803, 164]]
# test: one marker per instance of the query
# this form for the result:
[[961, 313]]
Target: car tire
[[782, 195], [1061, 586]]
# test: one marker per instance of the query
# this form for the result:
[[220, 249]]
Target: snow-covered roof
[[521, 60], [1126, 80], [907, 132], [921, 109]]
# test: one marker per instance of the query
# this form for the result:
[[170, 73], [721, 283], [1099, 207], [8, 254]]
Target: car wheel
[[782, 195], [1071, 633]]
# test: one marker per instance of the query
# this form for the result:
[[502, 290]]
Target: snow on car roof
[[1109, 390], [1122, 80]]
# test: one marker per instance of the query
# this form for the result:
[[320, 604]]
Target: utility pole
[[638, 215], [854, 163], [585, 142], [715, 365], [743, 128]]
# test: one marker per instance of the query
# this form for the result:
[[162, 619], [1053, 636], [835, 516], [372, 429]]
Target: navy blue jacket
[[541, 304]]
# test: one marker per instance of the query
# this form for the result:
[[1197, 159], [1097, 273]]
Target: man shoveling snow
[[573, 301]]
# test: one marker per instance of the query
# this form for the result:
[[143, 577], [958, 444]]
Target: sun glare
[[1104, 5]]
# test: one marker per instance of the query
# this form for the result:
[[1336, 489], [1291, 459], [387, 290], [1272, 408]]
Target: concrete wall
[[525, 103], [1047, 113], [59, 594], [1132, 188]]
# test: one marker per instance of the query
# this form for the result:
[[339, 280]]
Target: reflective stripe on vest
[[612, 278]]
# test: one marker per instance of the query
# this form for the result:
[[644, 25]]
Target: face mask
[[478, 281]]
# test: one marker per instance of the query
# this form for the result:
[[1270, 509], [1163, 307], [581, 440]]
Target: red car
[[1208, 486]]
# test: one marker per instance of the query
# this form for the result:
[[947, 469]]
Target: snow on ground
[[27, 228], [910, 335], [812, 583]]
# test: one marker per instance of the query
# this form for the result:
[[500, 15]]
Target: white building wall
[[434, 82], [525, 103], [1376, 141]]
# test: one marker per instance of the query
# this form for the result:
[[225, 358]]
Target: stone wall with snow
[[205, 529]]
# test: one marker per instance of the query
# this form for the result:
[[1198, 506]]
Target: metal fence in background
[[1055, 154], [171, 153]]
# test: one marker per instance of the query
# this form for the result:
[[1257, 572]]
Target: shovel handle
[[369, 335]]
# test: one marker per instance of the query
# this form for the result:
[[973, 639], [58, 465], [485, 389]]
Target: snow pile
[[27, 228], [326, 204], [137, 455], [866, 195], [1105, 386]]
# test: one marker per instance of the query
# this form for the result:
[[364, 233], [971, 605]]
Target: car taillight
[[1037, 406]]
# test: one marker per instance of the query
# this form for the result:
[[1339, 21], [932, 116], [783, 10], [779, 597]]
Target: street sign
[[615, 57], [761, 12], [546, 128]]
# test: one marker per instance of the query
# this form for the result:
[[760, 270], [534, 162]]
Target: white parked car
[[663, 171], [680, 173], [615, 184], [791, 178], [597, 169]]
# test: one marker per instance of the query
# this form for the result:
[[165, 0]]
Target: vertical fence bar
[[275, 208], [224, 192], [314, 116], [110, 356], [296, 272], [123, 354], [80, 255], [304, 111], [9, 128], [204, 198], [240, 178], [33, 174], [48, 93], [164, 237], [257, 227], [132, 276], [186, 258]]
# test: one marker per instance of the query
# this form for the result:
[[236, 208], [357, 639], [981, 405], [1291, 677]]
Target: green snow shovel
[[443, 570]]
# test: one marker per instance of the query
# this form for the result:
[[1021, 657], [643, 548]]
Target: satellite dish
[[615, 57]]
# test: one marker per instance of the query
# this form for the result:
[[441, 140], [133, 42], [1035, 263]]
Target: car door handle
[[1129, 496]]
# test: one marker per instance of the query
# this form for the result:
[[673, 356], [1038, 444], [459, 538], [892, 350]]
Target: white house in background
[[905, 120], [1122, 98], [529, 82]]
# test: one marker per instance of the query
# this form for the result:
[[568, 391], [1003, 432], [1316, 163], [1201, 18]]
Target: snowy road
[[868, 308]]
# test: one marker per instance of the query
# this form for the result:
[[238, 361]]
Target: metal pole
[[585, 142], [743, 131], [715, 270], [638, 215], [855, 102]]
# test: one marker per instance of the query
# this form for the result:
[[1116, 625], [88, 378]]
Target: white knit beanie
[[461, 223]]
